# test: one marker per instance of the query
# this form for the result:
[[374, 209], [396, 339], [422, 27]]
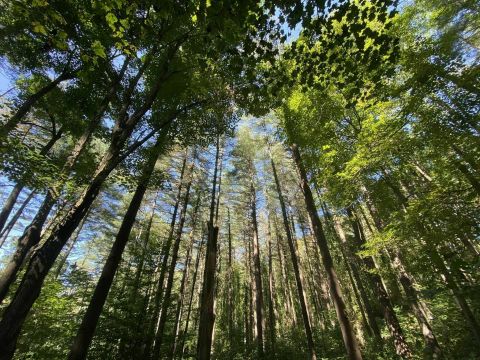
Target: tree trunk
[[171, 271], [271, 293], [356, 279], [30, 101], [389, 314], [231, 303], [351, 264], [63, 260], [163, 267], [348, 334], [296, 268], [257, 273], [17, 189], [186, 269], [31, 235], [207, 311], [472, 179], [289, 307], [10, 203], [43, 259], [90, 319], [192, 294], [432, 348], [6, 230]]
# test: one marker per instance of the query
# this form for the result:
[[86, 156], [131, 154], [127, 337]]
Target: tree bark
[[432, 348], [351, 345], [271, 292], [231, 303], [351, 264], [63, 260], [289, 307]]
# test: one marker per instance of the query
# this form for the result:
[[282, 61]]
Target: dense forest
[[239, 179]]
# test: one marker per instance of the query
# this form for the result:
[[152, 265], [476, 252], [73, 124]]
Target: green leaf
[[39, 28], [98, 49]]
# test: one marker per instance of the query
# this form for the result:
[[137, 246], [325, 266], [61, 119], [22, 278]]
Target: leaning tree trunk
[[70, 246], [351, 345], [85, 333], [289, 308], [354, 275], [432, 348], [296, 268]]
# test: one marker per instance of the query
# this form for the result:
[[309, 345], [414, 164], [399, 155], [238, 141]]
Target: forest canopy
[[212, 179]]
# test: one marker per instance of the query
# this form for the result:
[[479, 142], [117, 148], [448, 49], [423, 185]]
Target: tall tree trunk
[[389, 314], [90, 319], [356, 279], [192, 294], [163, 266], [311, 275], [183, 283], [70, 246], [171, 271], [432, 348], [472, 179], [271, 292], [257, 271], [207, 311], [146, 239], [351, 264], [6, 230], [231, 303], [296, 268], [288, 302], [351, 345], [10, 203]]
